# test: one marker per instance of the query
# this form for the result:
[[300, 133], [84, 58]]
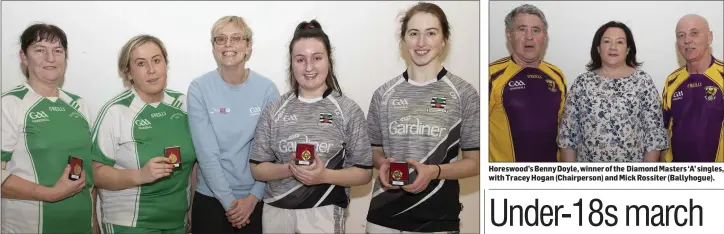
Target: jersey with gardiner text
[[38, 136], [694, 114], [525, 107], [127, 133], [336, 127], [427, 122]]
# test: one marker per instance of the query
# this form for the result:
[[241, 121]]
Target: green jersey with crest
[[38, 135], [128, 133]]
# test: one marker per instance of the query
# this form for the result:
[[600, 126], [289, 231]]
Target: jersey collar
[[440, 74], [512, 60], [324, 95]]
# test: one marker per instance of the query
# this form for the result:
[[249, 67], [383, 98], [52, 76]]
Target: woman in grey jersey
[[142, 150], [439, 116], [317, 124], [42, 126]]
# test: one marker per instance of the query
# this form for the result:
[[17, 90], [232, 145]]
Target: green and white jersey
[[38, 135], [129, 132]]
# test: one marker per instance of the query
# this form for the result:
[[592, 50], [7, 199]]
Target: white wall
[[363, 35], [571, 26]]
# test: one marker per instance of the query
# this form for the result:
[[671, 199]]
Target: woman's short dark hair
[[313, 29], [42, 32], [596, 55]]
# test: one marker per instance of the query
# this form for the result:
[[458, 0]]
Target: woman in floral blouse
[[613, 111]]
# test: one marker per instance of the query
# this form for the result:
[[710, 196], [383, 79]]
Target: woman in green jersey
[[142, 150], [42, 126]]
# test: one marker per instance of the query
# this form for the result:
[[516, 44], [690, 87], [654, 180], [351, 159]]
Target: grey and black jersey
[[428, 123], [335, 125]]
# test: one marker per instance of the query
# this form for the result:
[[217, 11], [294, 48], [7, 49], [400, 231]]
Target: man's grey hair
[[525, 9]]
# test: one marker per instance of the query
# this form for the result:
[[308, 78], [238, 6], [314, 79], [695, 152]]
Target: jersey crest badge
[[325, 119], [551, 85], [710, 93], [438, 104]]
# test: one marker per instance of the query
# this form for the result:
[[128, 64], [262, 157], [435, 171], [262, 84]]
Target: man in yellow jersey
[[526, 94], [692, 98]]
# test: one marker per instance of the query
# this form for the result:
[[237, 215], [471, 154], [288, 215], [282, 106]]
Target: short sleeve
[[358, 150], [569, 131], [470, 126], [261, 148], [105, 137], [373, 121], [10, 128], [655, 134]]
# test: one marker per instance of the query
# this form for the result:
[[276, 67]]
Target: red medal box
[[174, 155], [76, 167], [305, 154], [399, 174]]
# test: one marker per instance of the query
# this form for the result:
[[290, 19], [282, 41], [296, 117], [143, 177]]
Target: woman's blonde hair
[[236, 21], [124, 57]]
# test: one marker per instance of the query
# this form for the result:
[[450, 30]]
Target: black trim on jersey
[[254, 161], [306, 197], [471, 149], [324, 95], [494, 77], [670, 82], [440, 74], [440, 212], [362, 166], [377, 145]]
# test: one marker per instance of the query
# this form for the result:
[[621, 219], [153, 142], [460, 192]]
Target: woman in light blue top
[[223, 108]]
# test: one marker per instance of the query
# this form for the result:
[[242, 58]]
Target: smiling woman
[[326, 121], [43, 127], [141, 191], [614, 91]]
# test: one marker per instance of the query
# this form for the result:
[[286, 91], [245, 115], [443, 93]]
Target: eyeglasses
[[221, 40]]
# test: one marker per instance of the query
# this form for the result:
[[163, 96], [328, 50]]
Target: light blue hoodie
[[222, 119]]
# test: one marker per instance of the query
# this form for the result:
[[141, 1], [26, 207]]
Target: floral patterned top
[[613, 120]]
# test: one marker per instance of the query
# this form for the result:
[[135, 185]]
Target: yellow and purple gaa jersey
[[694, 113], [525, 106]]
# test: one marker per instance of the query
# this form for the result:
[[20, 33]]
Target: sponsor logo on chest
[[38, 116], [399, 103], [56, 109], [142, 124], [412, 126], [678, 95], [291, 118], [158, 114], [289, 144], [516, 85]]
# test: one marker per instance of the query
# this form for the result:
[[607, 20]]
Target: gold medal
[[397, 175], [76, 170], [306, 155]]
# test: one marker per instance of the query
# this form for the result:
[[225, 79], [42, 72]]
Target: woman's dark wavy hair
[[313, 29], [596, 56]]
